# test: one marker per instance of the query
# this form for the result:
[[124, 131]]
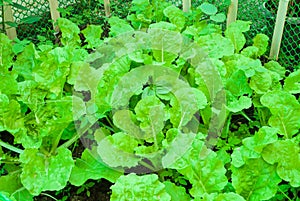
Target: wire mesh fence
[[262, 14]]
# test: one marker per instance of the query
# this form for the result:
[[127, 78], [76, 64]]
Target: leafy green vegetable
[[287, 156], [41, 172], [133, 187], [89, 166]]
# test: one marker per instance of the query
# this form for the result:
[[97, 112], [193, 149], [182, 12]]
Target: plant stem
[[10, 147], [285, 195], [50, 196]]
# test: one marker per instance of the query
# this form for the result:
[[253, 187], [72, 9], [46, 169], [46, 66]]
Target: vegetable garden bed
[[163, 105]]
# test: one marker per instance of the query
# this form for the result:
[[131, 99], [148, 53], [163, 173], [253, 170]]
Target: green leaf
[[70, 33], [134, 188], [90, 166], [118, 26], [92, 34], [235, 33], [6, 53], [285, 111], [175, 16], [202, 168], [275, 67], [208, 8], [238, 104], [42, 173], [118, 150], [238, 84], [216, 45], [221, 197], [261, 82], [11, 184], [287, 156], [30, 19], [292, 83], [219, 17], [261, 41], [177, 193], [150, 112], [255, 180], [11, 118]]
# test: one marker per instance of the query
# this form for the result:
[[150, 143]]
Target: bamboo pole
[[107, 8], [186, 5], [54, 12], [232, 12], [278, 30], [8, 16]]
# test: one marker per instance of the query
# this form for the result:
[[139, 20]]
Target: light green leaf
[[238, 104], [216, 45], [70, 33], [274, 66], [90, 166], [42, 173], [261, 82], [6, 53], [92, 34], [118, 150], [285, 111], [235, 33], [134, 188], [202, 168], [219, 17], [118, 26], [150, 112], [221, 197], [287, 154], [255, 180], [208, 8], [261, 41], [175, 16], [292, 83], [238, 84], [177, 193]]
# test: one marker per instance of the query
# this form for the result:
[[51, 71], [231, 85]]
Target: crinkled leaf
[[11, 118], [238, 104], [285, 111], [118, 150], [118, 26], [276, 67], [261, 82], [261, 41], [202, 168], [150, 112], [216, 45], [134, 188], [6, 54], [70, 32], [175, 16], [92, 34], [235, 33], [90, 166], [42, 173], [255, 180], [238, 84], [287, 155], [292, 83]]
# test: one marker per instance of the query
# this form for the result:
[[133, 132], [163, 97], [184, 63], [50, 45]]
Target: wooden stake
[[232, 12], [278, 30], [107, 8], [186, 5], [54, 12], [8, 16]]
